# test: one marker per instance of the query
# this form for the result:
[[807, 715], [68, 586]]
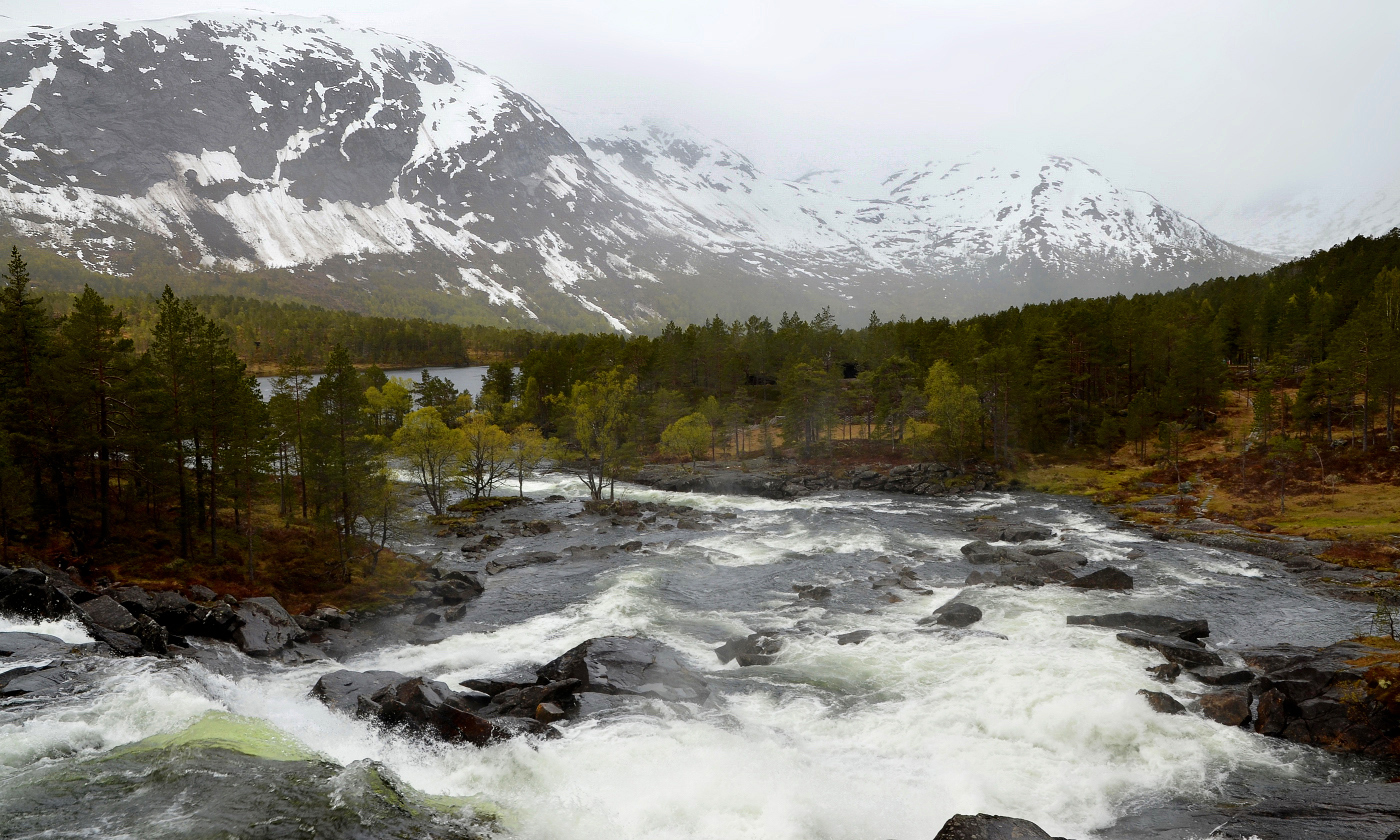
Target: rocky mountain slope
[[375, 171]]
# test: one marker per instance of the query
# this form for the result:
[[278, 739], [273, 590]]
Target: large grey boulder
[[422, 706], [954, 614], [1013, 531], [31, 594], [981, 553], [990, 827], [267, 627], [107, 613], [1106, 578], [628, 665], [1184, 653], [15, 647]]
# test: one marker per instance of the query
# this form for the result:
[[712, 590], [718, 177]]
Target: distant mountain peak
[[379, 167]]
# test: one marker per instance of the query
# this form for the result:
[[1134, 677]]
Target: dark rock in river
[[811, 592], [342, 690], [1166, 672], [134, 599], [267, 628], [954, 614], [518, 561], [423, 706], [1189, 629], [627, 665], [1223, 675], [989, 827], [173, 611], [36, 682], [854, 637], [1105, 578], [154, 638], [1186, 654], [981, 553], [30, 593], [1012, 531], [109, 614], [1230, 708], [756, 649], [1162, 702], [14, 645]]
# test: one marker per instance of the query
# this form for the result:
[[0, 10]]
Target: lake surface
[[462, 378], [1019, 715]]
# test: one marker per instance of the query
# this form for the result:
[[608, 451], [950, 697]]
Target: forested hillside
[[142, 415]]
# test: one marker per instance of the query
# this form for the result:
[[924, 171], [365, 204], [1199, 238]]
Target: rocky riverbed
[[839, 663]]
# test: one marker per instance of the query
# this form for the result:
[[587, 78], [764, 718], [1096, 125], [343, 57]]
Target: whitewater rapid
[[1019, 715]]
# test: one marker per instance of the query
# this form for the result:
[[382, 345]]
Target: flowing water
[[1019, 715]]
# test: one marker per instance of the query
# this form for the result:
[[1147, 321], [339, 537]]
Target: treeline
[[100, 429], [103, 442], [1314, 345]]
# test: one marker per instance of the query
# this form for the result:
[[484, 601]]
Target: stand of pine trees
[[100, 444]]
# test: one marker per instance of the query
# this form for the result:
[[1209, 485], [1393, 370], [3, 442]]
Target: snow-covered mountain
[[1312, 220], [370, 166]]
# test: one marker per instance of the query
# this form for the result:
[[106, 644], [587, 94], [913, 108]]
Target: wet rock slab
[[1189, 629]]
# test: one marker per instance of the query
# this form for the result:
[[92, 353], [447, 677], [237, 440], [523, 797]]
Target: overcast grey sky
[[1200, 103]]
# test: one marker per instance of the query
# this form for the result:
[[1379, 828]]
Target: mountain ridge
[[373, 164]]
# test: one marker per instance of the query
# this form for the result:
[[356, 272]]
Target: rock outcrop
[[990, 827], [1156, 625], [628, 665]]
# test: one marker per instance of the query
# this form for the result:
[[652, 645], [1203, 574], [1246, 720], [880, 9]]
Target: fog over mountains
[[373, 168]]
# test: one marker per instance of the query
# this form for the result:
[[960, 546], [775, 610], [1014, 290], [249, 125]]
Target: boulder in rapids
[[341, 690], [1108, 577], [1189, 629], [1012, 531], [811, 591], [1230, 708], [756, 649], [1162, 702], [266, 629], [1223, 675], [990, 827], [172, 611], [854, 637], [30, 593], [33, 682], [981, 553], [134, 599], [1167, 672], [518, 561], [627, 665], [954, 614], [106, 612], [1184, 653], [423, 706], [16, 645]]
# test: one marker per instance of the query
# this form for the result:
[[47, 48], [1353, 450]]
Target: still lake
[[462, 378]]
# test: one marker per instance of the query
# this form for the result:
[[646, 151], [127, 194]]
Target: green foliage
[[688, 437], [954, 413]]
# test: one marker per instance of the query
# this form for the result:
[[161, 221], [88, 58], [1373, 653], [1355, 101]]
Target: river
[[1019, 715], [466, 379]]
